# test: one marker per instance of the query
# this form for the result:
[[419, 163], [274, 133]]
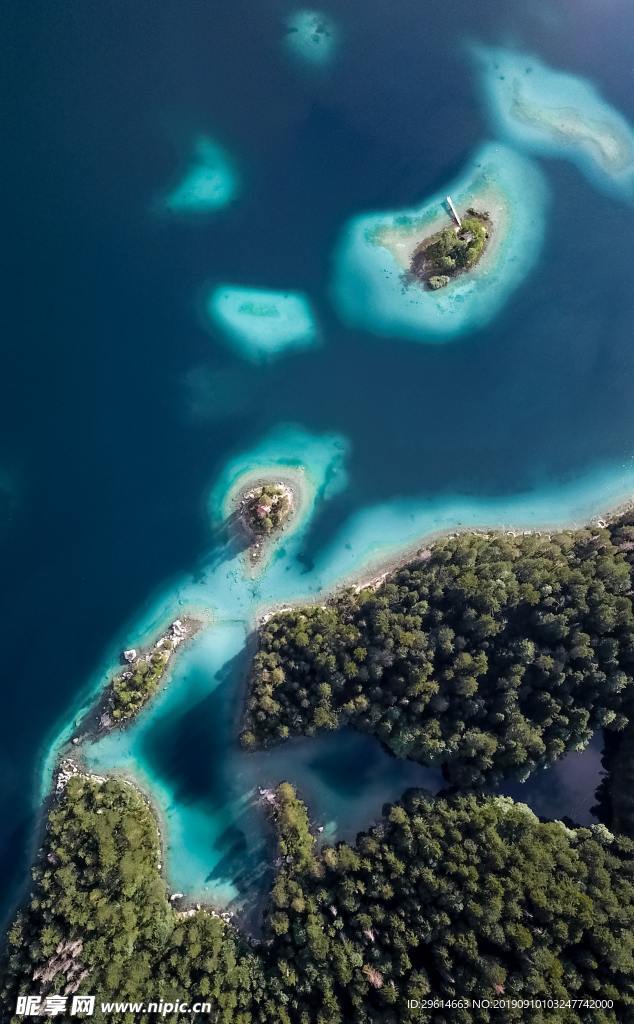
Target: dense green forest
[[98, 916], [451, 897], [132, 689], [490, 655], [446, 898]]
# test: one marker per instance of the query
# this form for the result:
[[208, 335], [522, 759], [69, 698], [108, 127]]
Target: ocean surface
[[125, 414]]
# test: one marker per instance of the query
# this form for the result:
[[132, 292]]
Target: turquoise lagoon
[[370, 287], [262, 324], [312, 37], [219, 589], [554, 113], [217, 840], [208, 184]]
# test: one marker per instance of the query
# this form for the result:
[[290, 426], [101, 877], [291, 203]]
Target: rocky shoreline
[[148, 664]]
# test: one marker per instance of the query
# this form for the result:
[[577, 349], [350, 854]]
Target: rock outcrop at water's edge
[[67, 769]]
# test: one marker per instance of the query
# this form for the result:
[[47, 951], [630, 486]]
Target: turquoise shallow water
[[262, 323], [218, 843], [183, 754], [128, 419], [555, 113], [209, 183], [216, 835], [312, 36]]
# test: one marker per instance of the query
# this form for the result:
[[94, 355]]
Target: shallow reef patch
[[260, 323], [554, 113], [312, 36], [208, 184]]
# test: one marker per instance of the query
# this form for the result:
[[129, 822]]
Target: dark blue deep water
[[119, 407]]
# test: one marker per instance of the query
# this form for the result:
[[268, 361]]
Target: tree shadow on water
[[245, 863], [227, 541], [191, 747]]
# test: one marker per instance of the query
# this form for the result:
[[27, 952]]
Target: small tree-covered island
[[266, 508], [138, 682], [452, 251], [263, 511], [498, 211]]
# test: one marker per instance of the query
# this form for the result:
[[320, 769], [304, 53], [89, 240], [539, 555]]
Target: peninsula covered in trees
[[489, 654], [132, 688], [447, 898]]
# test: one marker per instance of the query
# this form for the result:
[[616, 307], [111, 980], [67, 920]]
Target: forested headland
[[446, 898], [98, 919], [490, 655]]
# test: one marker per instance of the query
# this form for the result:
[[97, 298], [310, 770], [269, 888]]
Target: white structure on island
[[454, 211]]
